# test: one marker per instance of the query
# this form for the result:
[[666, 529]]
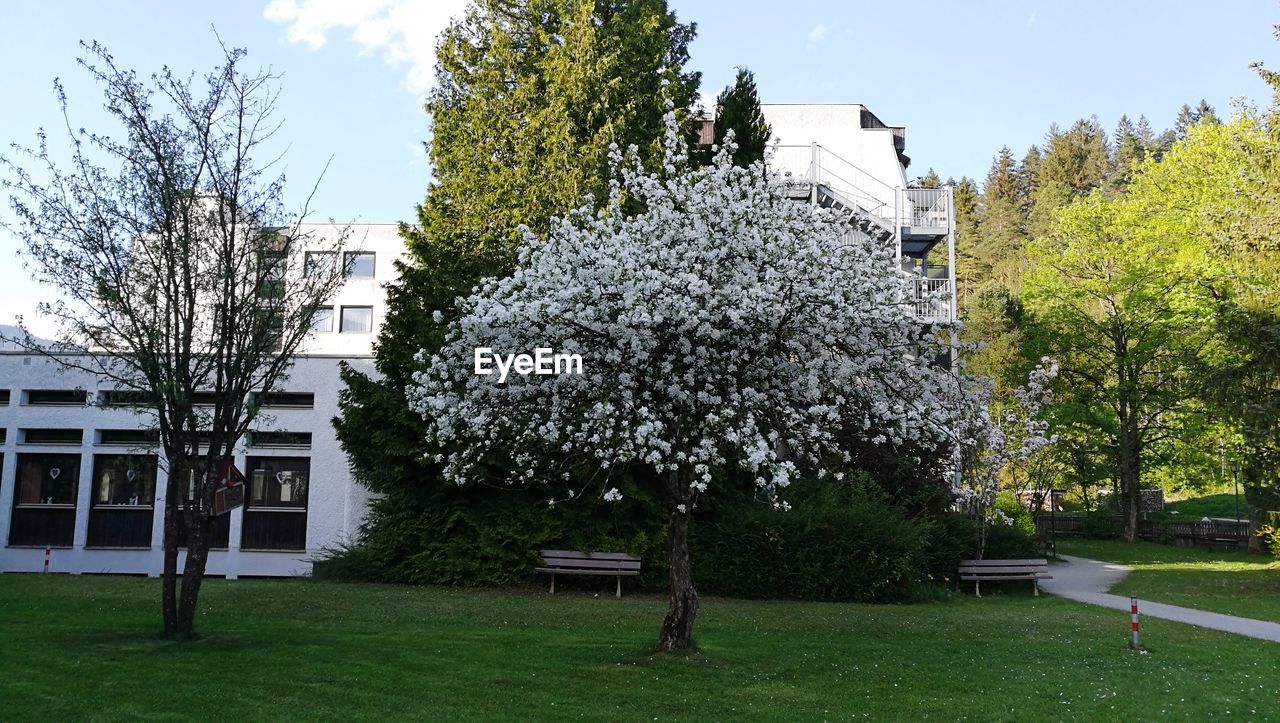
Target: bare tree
[[179, 271]]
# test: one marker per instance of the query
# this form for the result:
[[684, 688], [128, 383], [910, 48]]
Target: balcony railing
[[926, 208], [933, 299], [920, 209]]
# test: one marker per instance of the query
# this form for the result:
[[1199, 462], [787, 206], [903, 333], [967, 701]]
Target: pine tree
[[928, 180], [1002, 220], [738, 109], [1129, 149], [529, 98], [1188, 117], [969, 269], [1075, 162]]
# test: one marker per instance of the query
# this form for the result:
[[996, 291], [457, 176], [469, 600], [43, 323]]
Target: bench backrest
[[1002, 567], [574, 560]]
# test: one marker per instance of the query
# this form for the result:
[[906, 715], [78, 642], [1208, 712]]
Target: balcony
[[934, 300]]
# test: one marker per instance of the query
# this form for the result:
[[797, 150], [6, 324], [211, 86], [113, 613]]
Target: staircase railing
[[816, 164]]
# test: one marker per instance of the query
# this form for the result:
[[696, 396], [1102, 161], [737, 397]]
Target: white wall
[[837, 128], [336, 505]]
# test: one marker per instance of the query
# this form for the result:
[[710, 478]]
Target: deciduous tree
[[179, 271]]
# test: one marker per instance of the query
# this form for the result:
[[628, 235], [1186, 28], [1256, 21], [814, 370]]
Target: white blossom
[[724, 324]]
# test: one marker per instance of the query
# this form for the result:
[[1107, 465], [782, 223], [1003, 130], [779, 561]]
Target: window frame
[[348, 264], [343, 319]]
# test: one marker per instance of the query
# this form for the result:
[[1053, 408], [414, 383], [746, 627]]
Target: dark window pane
[[319, 262], [357, 319], [322, 319], [44, 500], [275, 515], [359, 264], [303, 400], [56, 397], [52, 436]]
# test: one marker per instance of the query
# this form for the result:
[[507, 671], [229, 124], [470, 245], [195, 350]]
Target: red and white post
[[46, 558], [1133, 613]]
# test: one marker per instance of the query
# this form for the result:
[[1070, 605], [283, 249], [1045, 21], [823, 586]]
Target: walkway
[[1087, 581]]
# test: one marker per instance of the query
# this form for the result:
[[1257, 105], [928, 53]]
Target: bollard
[[46, 558], [1133, 613]]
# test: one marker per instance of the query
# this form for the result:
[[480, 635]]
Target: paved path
[[1087, 581]]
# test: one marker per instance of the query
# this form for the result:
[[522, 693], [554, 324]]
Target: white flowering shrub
[[719, 322], [996, 447]]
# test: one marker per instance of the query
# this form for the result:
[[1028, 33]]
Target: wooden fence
[[1196, 531]]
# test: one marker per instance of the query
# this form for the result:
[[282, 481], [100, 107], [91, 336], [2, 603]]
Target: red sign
[[228, 491]]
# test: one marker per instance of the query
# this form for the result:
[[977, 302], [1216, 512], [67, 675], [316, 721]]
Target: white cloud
[[403, 31], [1031, 20], [816, 34]]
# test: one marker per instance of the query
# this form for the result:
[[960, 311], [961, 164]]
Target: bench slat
[[592, 564], [1025, 569], [1006, 563], [998, 578], [578, 555], [571, 571]]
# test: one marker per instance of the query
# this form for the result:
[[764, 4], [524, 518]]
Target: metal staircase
[[914, 219]]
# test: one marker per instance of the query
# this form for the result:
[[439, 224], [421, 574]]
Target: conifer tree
[[738, 109], [928, 180], [1075, 162], [1002, 220]]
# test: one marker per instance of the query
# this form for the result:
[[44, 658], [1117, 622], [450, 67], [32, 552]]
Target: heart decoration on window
[[131, 474], [282, 476], [54, 472]]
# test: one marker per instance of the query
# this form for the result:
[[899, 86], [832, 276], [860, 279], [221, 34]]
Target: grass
[[1216, 505], [85, 648], [1232, 582]]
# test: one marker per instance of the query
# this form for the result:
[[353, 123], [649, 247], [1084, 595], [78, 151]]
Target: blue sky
[[964, 78]]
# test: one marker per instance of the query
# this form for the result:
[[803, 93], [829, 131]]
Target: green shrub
[[1100, 525], [1010, 542], [949, 539], [840, 545], [1270, 539]]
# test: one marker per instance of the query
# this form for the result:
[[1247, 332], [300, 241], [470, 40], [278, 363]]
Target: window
[[319, 262], [4, 397], [357, 319], [359, 264], [44, 500], [123, 500], [275, 514], [57, 397], [52, 436], [280, 439], [124, 398], [139, 437], [295, 400], [204, 399], [322, 319], [4, 435]]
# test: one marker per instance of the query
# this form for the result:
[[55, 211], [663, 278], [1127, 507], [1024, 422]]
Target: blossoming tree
[[997, 446], [720, 324]]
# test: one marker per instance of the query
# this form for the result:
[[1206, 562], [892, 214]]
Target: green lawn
[[85, 648], [1215, 505], [1232, 582]]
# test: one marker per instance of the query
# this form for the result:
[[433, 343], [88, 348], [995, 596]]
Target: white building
[[80, 476]]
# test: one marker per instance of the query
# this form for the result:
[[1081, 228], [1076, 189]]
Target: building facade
[[82, 483], [80, 475]]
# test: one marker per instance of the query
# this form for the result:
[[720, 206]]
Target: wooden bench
[[1001, 570], [570, 562]]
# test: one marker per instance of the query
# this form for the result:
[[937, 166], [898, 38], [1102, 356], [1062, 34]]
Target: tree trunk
[[199, 533], [169, 578], [1130, 479], [677, 628]]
